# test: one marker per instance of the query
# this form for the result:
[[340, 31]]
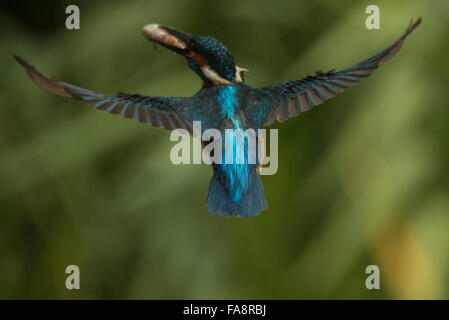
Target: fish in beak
[[172, 39], [198, 56]]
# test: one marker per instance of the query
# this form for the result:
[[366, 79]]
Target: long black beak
[[172, 39]]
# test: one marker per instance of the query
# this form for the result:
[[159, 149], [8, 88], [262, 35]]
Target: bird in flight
[[225, 101]]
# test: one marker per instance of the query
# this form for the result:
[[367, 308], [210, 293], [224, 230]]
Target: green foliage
[[363, 179]]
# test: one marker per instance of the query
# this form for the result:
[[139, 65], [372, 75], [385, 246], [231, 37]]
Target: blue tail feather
[[251, 202]]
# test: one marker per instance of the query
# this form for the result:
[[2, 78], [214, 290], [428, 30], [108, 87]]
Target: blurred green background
[[363, 179]]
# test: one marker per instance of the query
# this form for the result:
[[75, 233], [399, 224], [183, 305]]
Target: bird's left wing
[[162, 112], [290, 98]]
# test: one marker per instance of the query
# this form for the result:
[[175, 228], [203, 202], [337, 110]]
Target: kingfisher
[[224, 101]]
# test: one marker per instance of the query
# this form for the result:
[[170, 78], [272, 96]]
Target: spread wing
[[290, 98], [162, 112]]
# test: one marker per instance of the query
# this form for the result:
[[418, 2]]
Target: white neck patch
[[213, 76], [239, 73]]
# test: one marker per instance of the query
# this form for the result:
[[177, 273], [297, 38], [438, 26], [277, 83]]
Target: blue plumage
[[227, 101], [224, 102]]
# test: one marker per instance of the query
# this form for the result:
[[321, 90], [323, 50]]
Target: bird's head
[[208, 57]]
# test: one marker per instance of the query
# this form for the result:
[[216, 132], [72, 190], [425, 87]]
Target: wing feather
[[290, 98], [160, 112]]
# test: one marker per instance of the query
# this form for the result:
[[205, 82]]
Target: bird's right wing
[[162, 112], [290, 98]]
